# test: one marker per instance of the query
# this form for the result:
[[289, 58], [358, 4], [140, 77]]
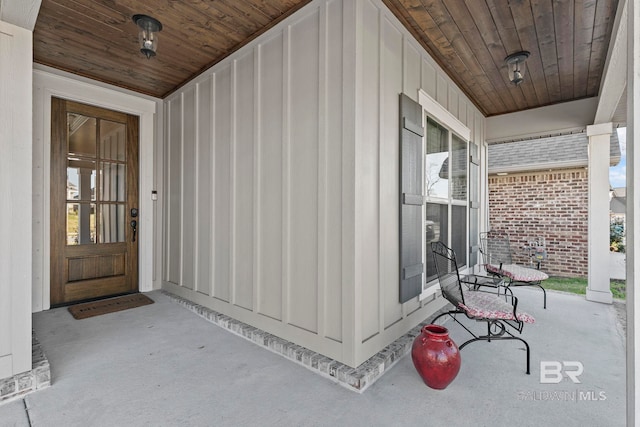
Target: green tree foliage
[[616, 235]]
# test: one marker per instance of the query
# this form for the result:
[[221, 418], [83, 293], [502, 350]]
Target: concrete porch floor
[[163, 365]]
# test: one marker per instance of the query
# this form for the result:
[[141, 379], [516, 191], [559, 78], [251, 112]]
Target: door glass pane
[[112, 223], [81, 179], [436, 228], [459, 233], [458, 169], [82, 135], [437, 164], [112, 182], [112, 140], [81, 223]]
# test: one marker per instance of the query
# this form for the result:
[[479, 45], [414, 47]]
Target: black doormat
[[111, 305]]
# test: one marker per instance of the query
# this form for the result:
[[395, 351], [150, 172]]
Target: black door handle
[[134, 226]]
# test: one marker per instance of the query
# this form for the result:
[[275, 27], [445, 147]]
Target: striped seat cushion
[[518, 273], [487, 305]]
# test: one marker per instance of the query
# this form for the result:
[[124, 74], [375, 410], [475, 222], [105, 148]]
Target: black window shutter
[[411, 199]]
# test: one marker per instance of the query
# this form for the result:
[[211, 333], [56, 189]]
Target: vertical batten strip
[[323, 61], [404, 78], [232, 180], [286, 171], [181, 273], [212, 202], [352, 134], [167, 204], [257, 132], [196, 237]]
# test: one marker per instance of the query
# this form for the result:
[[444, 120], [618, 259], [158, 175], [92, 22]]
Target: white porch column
[[17, 19], [15, 193], [598, 288], [633, 209]]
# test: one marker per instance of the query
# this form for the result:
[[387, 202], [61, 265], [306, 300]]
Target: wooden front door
[[94, 200]]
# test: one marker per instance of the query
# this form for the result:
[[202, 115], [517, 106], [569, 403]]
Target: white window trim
[[442, 115], [433, 109]]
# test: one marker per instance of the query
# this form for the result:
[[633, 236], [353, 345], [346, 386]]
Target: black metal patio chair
[[498, 311], [496, 253]]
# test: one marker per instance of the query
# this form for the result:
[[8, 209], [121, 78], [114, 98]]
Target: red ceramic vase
[[435, 356]]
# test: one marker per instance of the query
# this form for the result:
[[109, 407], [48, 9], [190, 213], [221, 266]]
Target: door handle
[[134, 227]]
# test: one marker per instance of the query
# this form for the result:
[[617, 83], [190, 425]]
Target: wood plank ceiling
[[568, 41], [98, 39]]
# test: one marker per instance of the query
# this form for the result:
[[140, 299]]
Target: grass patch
[[619, 289], [566, 284], [579, 286]]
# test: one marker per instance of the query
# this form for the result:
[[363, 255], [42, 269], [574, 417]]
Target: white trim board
[[442, 115]]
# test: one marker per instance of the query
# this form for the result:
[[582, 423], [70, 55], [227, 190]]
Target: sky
[[617, 174]]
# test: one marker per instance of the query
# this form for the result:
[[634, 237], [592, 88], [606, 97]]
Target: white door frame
[[47, 84]]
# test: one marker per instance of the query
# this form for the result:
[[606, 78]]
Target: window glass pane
[[81, 179], [81, 223], [474, 202], [112, 182], [436, 227], [473, 234], [112, 140], [112, 223], [458, 169], [82, 135], [459, 233], [437, 164], [474, 184]]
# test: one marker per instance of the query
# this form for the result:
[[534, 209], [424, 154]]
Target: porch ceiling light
[[148, 29], [515, 64]]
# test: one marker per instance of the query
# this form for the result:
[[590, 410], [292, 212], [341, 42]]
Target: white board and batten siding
[[282, 179], [254, 203], [15, 192], [391, 62]]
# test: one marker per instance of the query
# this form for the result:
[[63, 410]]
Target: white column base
[[605, 297]]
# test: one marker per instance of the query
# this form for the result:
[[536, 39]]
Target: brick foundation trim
[[358, 379], [37, 378]]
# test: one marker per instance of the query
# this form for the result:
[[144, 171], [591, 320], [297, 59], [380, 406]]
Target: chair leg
[[502, 335], [545, 294], [507, 288], [511, 337], [528, 357], [538, 284], [528, 351]]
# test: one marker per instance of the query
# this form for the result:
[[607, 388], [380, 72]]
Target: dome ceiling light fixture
[[148, 29], [515, 64]]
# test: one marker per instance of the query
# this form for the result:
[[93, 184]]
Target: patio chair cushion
[[488, 305], [518, 273]]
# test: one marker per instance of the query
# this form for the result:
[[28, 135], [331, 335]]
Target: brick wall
[[550, 205]]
